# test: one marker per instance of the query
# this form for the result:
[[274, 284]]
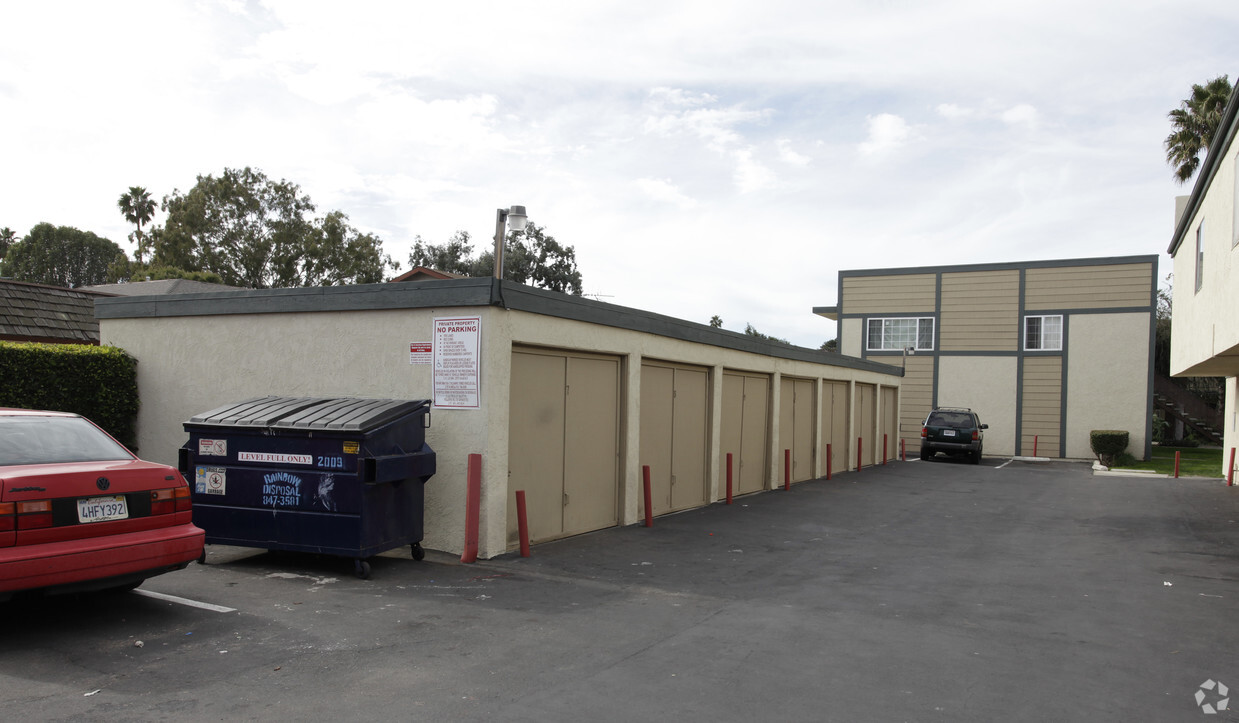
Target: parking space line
[[185, 601], [1004, 464]]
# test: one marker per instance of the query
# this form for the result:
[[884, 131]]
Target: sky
[[703, 158]]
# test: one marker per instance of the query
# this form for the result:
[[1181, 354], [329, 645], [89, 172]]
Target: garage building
[[565, 398]]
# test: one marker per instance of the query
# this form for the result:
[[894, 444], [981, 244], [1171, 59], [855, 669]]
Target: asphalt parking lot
[[918, 591]]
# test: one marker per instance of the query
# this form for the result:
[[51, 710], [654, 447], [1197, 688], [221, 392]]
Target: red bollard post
[[1034, 445], [522, 522], [1176, 464], [859, 446], [645, 481], [473, 508], [827, 461], [884, 448], [1230, 469], [787, 469], [729, 478], [903, 450]]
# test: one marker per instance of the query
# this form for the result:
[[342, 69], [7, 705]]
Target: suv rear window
[[53, 440], [950, 419]]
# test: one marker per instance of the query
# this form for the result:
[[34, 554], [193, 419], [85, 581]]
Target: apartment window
[[916, 332], [1043, 333], [1200, 255]]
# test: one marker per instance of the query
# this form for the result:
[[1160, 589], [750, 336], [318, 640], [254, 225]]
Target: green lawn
[[1193, 462]]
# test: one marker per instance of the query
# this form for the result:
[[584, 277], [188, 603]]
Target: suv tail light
[[924, 432], [975, 435]]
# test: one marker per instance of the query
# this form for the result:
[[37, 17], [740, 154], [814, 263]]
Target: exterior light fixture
[[505, 217]]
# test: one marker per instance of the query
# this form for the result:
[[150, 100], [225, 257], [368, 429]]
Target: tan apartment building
[[1043, 351], [1204, 338], [565, 398]]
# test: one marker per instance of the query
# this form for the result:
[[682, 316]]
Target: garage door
[[746, 404], [675, 434], [563, 447], [890, 425], [866, 418], [797, 402], [835, 425]]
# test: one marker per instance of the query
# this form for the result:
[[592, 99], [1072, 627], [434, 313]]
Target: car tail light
[[924, 432], [8, 517], [165, 502], [34, 514], [975, 435]]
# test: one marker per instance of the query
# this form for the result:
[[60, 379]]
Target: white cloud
[[662, 189], [950, 110], [1021, 115], [886, 133], [788, 155], [750, 175]]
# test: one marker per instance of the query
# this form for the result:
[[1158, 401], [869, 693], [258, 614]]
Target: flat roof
[[464, 292]]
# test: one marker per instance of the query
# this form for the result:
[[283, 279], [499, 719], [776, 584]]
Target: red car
[[79, 512]]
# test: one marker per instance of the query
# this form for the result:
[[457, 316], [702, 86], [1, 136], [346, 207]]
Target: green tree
[[750, 331], [530, 256], [716, 321], [260, 233], [1193, 125], [60, 256], [8, 237], [829, 345], [138, 208]]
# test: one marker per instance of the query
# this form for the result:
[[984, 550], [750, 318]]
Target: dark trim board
[[1005, 266]]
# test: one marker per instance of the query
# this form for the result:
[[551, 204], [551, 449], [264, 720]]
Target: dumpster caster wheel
[[202, 558], [418, 552], [361, 569]]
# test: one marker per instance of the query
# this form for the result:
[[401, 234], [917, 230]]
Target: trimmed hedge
[[97, 382], [1108, 443]]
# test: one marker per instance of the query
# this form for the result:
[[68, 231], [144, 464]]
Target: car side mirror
[[984, 426]]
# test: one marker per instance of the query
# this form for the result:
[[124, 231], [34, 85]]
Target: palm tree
[[1193, 126], [139, 209]]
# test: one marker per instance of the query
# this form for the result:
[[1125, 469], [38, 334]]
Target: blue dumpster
[[337, 476]]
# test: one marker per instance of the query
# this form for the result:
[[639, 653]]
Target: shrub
[[99, 383], [1107, 443]]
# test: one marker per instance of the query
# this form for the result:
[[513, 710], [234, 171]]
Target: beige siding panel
[[980, 311], [1042, 406], [1088, 287], [896, 294], [917, 392]]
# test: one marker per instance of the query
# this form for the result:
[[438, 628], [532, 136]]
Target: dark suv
[[955, 431]]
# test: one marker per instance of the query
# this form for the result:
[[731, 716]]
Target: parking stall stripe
[[185, 601]]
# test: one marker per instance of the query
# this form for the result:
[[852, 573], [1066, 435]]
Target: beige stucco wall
[[1107, 379], [1206, 328], [851, 336], [191, 364], [986, 385]]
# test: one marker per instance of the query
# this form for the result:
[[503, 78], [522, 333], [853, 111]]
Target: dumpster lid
[[339, 414]]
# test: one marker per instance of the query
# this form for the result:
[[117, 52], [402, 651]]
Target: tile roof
[[34, 312]]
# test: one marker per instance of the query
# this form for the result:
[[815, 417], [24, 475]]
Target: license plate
[[98, 509], [948, 433]]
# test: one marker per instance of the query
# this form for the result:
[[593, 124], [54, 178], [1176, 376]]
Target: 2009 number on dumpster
[[331, 462]]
